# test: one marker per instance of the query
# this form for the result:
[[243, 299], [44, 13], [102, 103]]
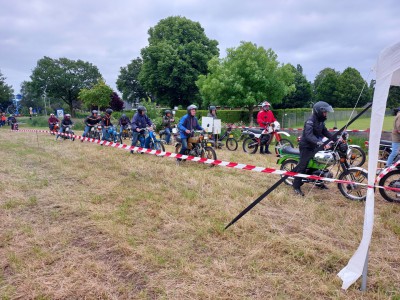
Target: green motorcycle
[[322, 165]]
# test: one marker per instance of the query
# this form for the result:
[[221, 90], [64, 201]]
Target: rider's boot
[[267, 150], [262, 149]]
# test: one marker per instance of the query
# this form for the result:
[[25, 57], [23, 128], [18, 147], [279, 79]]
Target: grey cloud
[[109, 34]]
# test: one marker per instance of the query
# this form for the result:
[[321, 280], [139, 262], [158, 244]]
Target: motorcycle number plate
[[209, 144], [231, 136]]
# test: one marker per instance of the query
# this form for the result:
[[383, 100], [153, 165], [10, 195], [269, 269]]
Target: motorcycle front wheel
[[356, 156], [231, 144], [281, 144], [353, 191], [289, 165], [250, 145], [158, 146], [391, 180], [208, 153]]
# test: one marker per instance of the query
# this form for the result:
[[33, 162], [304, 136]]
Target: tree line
[[181, 65]]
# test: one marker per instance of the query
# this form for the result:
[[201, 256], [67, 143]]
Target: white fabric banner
[[387, 73]]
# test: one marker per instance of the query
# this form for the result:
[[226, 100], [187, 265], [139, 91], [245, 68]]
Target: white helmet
[[265, 104]]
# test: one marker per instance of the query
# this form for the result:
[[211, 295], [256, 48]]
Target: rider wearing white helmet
[[264, 118]]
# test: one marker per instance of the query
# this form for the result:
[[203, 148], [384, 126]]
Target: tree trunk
[[251, 110], [71, 108]]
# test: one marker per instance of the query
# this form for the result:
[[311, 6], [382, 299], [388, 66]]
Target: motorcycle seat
[[290, 150], [386, 143], [254, 130]]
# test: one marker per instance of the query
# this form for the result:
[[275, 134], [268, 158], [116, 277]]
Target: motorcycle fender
[[284, 158], [359, 169], [284, 133], [354, 146]]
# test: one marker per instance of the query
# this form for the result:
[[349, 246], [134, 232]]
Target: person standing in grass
[[212, 112], [395, 138], [265, 117]]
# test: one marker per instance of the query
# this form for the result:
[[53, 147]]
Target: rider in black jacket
[[313, 133]]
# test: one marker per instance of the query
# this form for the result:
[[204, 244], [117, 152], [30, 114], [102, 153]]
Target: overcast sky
[[109, 34]]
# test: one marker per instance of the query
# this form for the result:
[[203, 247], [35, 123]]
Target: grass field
[[80, 221], [363, 123]]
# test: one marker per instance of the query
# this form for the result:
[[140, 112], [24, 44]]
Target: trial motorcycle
[[198, 146], [322, 164]]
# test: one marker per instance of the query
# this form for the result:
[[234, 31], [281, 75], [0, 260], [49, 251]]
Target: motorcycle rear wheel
[[250, 145], [389, 180], [352, 191], [231, 144], [289, 165]]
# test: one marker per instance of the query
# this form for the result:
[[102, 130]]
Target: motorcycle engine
[[325, 157], [193, 152], [323, 173]]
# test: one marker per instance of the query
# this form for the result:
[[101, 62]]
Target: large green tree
[[302, 96], [63, 79], [350, 88], [394, 97], [128, 82], [178, 52], [325, 86], [245, 77], [6, 93], [98, 95]]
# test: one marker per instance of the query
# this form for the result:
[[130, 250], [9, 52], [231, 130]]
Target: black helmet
[[212, 107], [190, 107], [94, 112], [141, 108], [319, 108], [109, 111], [167, 111]]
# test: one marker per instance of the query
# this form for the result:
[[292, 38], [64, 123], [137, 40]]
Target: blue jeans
[[106, 135], [167, 135], [144, 142], [60, 131], [86, 131], [395, 150], [184, 145]]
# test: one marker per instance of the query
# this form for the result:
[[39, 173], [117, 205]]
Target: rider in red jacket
[[264, 118]]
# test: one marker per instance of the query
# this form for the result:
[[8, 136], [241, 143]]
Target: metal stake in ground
[[267, 192]]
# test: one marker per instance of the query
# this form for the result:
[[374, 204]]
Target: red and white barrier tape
[[300, 129], [212, 161]]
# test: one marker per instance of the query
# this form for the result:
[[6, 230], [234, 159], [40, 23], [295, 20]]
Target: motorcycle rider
[[187, 124], [166, 122], [123, 123], [212, 112], [139, 122], [313, 133], [395, 138], [265, 117], [91, 121], [12, 121], [52, 121], [106, 124], [66, 121]]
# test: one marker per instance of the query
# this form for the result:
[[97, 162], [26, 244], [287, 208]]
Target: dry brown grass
[[80, 221]]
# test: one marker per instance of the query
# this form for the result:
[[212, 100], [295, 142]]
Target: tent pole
[[364, 274]]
